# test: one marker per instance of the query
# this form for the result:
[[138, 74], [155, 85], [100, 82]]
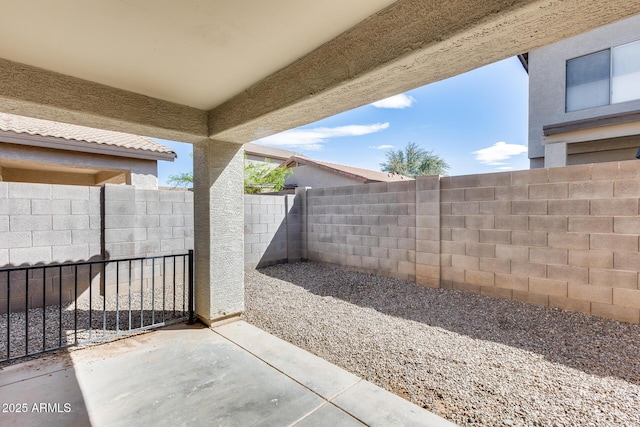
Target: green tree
[[414, 161], [184, 179], [257, 177]]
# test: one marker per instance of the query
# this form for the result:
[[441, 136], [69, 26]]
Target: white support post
[[555, 155]]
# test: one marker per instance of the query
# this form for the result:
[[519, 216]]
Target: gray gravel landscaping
[[475, 360], [102, 321]]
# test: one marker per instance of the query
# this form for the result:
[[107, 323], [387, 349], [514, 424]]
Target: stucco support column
[[555, 155], [219, 227]]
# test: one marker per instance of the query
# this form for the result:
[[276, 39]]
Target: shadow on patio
[[233, 375], [42, 391]]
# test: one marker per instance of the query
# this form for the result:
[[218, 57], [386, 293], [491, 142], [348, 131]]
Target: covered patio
[[231, 375], [217, 75], [220, 74]]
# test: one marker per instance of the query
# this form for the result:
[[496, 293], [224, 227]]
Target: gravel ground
[[475, 360], [101, 326]]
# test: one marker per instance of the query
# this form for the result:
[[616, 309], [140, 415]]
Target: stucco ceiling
[[197, 53]]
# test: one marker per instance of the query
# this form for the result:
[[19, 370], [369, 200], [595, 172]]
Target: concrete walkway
[[233, 375]]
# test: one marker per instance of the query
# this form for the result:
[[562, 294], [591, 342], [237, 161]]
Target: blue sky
[[477, 122]]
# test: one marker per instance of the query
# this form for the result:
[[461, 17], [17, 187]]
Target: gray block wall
[[42, 223], [364, 227], [45, 225], [428, 231], [272, 229], [563, 237], [141, 222], [146, 222]]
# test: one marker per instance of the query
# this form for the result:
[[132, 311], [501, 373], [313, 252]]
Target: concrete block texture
[[18, 239], [20, 190], [562, 237], [616, 312], [566, 237], [75, 223], [626, 297], [276, 220], [121, 207], [30, 223], [591, 190], [26, 256], [15, 207], [71, 192], [71, 222], [60, 207], [627, 188]]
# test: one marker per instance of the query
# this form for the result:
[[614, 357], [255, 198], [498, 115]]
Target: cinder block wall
[[364, 227], [43, 225], [428, 231], [140, 222], [272, 229], [560, 237]]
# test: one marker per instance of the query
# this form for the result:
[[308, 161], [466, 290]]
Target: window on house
[[602, 78], [625, 71], [588, 81]]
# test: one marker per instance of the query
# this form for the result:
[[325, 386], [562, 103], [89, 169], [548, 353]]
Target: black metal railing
[[60, 305]]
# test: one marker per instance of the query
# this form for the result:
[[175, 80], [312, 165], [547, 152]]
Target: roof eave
[[82, 146], [307, 161]]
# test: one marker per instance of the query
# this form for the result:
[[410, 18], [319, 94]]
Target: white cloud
[[381, 147], [397, 101], [312, 139], [498, 152]]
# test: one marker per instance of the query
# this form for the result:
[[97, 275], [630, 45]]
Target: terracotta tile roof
[[46, 128], [365, 175], [268, 152]]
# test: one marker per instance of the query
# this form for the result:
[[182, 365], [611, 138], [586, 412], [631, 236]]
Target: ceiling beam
[[43, 94], [409, 44]]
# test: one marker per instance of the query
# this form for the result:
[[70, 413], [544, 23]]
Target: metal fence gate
[[48, 307]]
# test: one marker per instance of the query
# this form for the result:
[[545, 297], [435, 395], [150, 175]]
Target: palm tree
[[414, 161]]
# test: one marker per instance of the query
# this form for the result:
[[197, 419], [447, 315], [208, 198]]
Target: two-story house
[[584, 97]]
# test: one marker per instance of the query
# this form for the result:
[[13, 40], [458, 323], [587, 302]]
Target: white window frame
[[611, 50]]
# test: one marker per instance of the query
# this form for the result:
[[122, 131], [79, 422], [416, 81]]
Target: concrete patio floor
[[233, 375]]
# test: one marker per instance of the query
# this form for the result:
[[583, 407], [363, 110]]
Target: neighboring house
[[266, 155], [315, 173], [318, 174], [41, 151], [584, 97]]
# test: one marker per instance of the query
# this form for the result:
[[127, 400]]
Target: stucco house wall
[[266, 155], [312, 176], [22, 163], [307, 172], [47, 152], [547, 88]]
